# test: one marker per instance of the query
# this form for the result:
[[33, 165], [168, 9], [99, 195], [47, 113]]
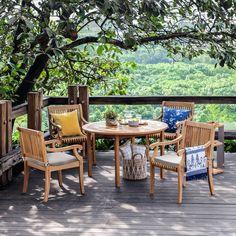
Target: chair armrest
[[79, 157], [207, 150], [180, 123], [55, 130], [156, 144], [181, 152], [58, 127], [83, 121], [53, 142], [190, 118], [67, 148], [179, 127], [208, 144]]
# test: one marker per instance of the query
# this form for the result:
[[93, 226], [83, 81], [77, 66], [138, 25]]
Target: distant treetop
[[36, 36]]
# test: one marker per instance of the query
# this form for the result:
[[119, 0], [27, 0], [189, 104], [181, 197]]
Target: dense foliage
[[178, 78], [196, 77], [45, 42]]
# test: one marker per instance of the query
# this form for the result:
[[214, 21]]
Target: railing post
[[72, 94], [84, 100], [34, 110], [9, 135], [40, 107], [3, 128], [9, 126], [5, 139]]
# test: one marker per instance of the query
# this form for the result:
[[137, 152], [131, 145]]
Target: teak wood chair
[[193, 134], [175, 105], [37, 155], [56, 130]]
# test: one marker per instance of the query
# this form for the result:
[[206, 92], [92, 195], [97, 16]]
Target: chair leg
[[94, 149], [59, 176], [26, 177], [47, 184], [184, 180], [180, 185], [81, 178], [162, 173], [152, 178], [210, 179], [84, 148]]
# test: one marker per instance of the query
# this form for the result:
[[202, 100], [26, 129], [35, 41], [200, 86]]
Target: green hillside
[[180, 78]]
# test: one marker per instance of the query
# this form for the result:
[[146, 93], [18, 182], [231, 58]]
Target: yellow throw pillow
[[69, 123]]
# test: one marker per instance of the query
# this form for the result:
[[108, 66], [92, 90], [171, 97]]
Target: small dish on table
[[133, 122], [123, 122]]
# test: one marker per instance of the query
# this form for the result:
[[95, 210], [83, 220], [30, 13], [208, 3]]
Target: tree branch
[[156, 38]]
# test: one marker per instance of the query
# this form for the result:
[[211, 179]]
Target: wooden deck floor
[[107, 211]]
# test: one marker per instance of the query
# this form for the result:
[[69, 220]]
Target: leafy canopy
[[42, 41]]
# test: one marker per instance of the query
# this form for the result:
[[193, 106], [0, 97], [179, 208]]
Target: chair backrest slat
[[32, 144], [198, 133]]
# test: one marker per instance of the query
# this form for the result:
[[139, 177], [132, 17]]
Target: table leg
[[117, 162], [94, 149], [90, 156], [147, 145], [133, 140], [162, 152]]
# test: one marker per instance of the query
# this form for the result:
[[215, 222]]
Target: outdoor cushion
[[171, 116], [169, 159], [126, 150], [69, 123], [138, 149], [60, 158], [55, 159]]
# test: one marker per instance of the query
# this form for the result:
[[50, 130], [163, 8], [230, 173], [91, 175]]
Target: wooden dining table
[[145, 129]]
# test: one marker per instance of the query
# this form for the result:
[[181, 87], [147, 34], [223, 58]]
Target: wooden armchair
[[169, 135], [193, 134], [36, 155], [56, 129]]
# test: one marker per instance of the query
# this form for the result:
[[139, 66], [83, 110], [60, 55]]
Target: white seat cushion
[[55, 159], [60, 158], [169, 159]]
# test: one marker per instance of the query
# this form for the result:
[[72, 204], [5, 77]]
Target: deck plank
[[105, 210]]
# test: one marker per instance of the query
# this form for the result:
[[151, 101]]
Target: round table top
[[151, 127]]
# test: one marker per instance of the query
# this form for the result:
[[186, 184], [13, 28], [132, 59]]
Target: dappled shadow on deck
[[105, 210]]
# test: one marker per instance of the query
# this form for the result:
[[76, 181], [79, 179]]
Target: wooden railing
[[138, 100], [76, 94]]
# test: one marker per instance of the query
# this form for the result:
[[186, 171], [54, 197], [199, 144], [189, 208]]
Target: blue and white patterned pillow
[[171, 116], [196, 163]]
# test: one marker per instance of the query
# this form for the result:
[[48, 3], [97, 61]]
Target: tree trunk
[[32, 75]]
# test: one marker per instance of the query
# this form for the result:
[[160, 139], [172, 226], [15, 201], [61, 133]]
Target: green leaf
[[12, 20], [29, 24], [100, 50], [49, 32]]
